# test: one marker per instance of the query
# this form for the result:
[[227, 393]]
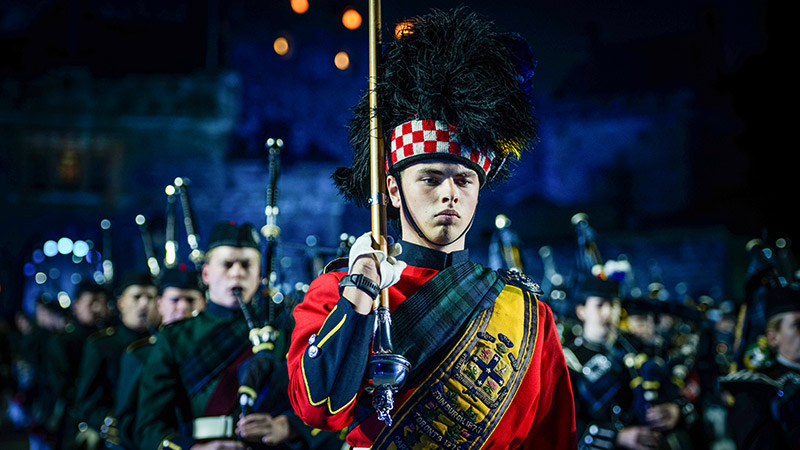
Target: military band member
[[180, 295], [35, 391], [90, 313], [188, 389], [690, 357], [487, 367], [90, 305], [99, 372], [766, 411], [657, 396], [640, 325], [601, 381]]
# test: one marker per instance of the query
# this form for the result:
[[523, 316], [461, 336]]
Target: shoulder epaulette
[[336, 265], [747, 380], [750, 376], [105, 332], [179, 321], [520, 280], [139, 343]]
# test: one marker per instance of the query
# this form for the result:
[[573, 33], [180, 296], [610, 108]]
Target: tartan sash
[[426, 321], [226, 341], [225, 396]]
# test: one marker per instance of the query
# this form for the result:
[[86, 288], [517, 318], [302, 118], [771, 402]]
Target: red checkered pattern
[[418, 137]]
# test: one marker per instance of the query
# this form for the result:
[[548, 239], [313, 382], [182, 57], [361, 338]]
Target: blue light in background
[[93, 256], [80, 249], [50, 248], [65, 245], [38, 256]]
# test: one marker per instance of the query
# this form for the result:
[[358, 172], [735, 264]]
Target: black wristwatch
[[361, 282]]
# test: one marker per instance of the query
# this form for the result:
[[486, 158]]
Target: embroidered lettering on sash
[[465, 419]]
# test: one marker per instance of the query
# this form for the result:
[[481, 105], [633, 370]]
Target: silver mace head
[[387, 371], [387, 374]]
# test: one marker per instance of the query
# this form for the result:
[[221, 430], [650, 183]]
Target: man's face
[[231, 267], [786, 339], [135, 304], [175, 304], [600, 317], [642, 326], [90, 307], [48, 319], [441, 197]]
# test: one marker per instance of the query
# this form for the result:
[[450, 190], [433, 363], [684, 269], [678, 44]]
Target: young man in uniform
[[180, 295], [90, 305], [766, 410], [90, 314], [189, 388], [99, 372], [487, 366], [601, 381]]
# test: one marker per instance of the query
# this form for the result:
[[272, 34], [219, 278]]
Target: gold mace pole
[[377, 153], [386, 371]]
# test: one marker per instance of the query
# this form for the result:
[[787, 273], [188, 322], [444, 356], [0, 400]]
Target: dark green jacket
[[64, 359], [63, 362], [99, 373], [131, 366], [185, 368]]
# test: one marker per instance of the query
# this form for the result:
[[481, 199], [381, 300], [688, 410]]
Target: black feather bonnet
[[449, 71]]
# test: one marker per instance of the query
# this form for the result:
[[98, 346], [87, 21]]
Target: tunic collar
[[419, 256], [220, 311], [790, 364], [598, 347], [130, 331], [256, 308]]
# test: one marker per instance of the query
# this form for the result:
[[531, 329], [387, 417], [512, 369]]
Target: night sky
[[585, 49]]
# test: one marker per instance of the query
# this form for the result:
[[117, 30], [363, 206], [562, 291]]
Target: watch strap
[[361, 282]]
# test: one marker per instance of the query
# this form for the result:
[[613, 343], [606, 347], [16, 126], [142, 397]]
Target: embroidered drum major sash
[[463, 400]]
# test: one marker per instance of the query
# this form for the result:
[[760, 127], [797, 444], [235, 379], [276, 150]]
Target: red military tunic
[[330, 347]]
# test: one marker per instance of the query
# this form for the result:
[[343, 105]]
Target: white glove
[[390, 268]]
